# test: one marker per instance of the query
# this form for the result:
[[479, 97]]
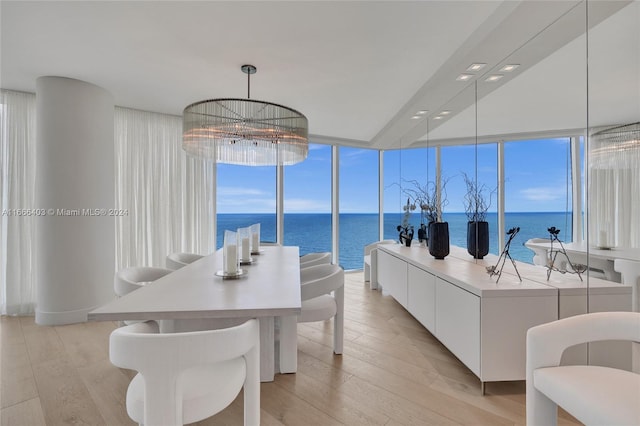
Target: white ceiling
[[358, 70]]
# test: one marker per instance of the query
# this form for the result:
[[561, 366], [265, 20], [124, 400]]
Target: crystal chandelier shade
[[245, 131]]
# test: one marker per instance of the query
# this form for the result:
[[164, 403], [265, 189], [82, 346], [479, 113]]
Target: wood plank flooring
[[392, 372]]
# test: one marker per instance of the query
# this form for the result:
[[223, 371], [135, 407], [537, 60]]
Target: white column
[[75, 241]]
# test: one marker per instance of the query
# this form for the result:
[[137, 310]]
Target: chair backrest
[[129, 279], [320, 279], [540, 254], [547, 342], [178, 260], [313, 259], [369, 247], [142, 348], [165, 360]]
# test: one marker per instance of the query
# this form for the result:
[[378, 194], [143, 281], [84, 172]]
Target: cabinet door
[[458, 323], [392, 276], [422, 297]]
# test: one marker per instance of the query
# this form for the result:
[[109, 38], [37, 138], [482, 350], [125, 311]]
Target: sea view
[[312, 231]]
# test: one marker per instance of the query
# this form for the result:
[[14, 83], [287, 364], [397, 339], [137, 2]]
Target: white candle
[[246, 249], [231, 259], [603, 239], [255, 242]]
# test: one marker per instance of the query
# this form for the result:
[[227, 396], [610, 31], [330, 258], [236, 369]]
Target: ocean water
[[312, 231]]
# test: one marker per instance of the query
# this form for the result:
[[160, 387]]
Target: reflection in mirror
[[613, 164]]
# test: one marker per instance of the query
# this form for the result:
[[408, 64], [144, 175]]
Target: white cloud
[[302, 205], [246, 205], [237, 191], [543, 193]]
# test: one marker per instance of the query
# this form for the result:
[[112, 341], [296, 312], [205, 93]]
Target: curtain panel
[[614, 186], [166, 198], [17, 183]]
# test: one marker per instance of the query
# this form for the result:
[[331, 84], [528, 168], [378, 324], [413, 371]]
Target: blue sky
[[536, 180]]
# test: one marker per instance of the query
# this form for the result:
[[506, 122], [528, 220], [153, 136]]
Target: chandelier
[[245, 131]]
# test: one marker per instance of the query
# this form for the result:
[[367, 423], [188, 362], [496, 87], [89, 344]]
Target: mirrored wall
[[553, 140]]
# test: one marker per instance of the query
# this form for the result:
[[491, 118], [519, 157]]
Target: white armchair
[[130, 279], [178, 260], [540, 255], [313, 259], [370, 262], [322, 291], [594, 395], [187, 377]]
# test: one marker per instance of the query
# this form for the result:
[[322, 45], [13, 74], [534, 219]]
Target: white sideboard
[[482, 323], [578, 296]]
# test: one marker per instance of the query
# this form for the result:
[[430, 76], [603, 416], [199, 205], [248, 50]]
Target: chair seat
[[318, 309], [208, 390], [594, 395]]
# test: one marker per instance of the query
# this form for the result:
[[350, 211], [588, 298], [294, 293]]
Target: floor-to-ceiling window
[[358, 204], [307, 201], [246, 195]]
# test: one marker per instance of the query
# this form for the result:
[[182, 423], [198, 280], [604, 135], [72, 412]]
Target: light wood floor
[[392, 372]]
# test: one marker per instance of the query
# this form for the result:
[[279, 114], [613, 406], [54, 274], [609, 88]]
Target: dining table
[[267, 289], [595, 257]]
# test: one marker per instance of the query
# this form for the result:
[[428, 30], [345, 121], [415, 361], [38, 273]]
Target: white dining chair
[[178, 260], [313, 259], [130, 279], [594, 395], [187, 377], [370, 262], [540, 256], [322, 290]]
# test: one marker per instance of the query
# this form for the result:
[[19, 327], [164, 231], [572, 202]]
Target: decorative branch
[[426, 198], [475, 200]]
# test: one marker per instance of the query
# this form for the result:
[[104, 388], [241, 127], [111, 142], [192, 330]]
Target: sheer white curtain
[[17, 183], [167, 198], [614, 187]]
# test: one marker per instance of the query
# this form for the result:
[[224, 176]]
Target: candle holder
[[255, 238], [244, 243], [230, 264]]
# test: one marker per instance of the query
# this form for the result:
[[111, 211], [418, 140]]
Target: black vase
[[478, 239], [439, 239]]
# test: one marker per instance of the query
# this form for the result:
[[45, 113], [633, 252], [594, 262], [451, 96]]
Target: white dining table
[[269, 291], [597, 257]]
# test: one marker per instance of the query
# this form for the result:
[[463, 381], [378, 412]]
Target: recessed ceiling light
[[437, 117], [416, 117], [445, 112], [509, 68], [464, 77], [422, 112], [476, 67], [494, 77]]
